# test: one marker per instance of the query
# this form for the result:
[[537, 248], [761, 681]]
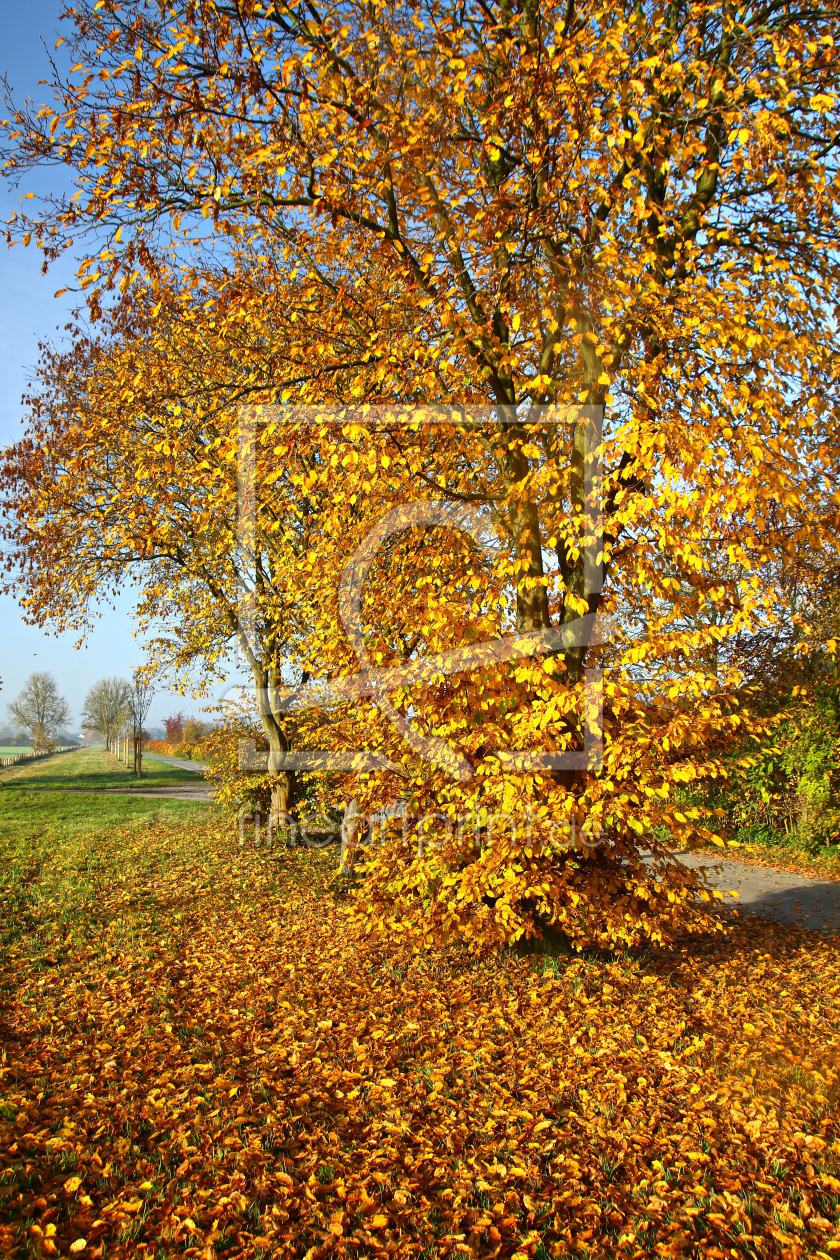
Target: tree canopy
[[106, 706], [572, 268], [39, 710]]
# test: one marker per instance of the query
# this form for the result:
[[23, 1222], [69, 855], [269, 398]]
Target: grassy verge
[[92, 768], [200, 1058]]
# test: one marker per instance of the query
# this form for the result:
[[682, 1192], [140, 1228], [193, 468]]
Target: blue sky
[[29, 313]]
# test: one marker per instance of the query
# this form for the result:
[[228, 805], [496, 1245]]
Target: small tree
[[140, 701], [174, 728], [39, 709], [195, 731], [106, 707]]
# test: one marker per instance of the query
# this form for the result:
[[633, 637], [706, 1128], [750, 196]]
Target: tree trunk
[[532, 608], [283, 780], [282, 787], [531, 598], [350, 828], [552, 944]]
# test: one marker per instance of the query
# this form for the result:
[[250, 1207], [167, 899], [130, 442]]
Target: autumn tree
[[106, 706], [174, 727], [39, 710], [195, 730], [629, 209]]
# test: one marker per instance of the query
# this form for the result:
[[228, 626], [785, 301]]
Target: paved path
[[197, 767], [811, 901]]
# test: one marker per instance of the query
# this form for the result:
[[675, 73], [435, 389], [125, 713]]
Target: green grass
[[14, 750], [26, 816], [92, 768], [65, 854]]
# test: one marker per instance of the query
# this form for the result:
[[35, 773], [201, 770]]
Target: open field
[[13, 750], [203, 1057], [91, 768]]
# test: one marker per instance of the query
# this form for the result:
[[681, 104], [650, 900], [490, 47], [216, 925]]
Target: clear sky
[[30, 313]]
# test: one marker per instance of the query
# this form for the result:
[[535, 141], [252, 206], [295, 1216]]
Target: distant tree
[[174, 728], [39, 709], [106, 708], [195, 731]]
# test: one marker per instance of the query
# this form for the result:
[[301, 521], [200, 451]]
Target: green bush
[[789, 789]]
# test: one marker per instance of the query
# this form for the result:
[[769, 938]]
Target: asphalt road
[[197, 767], [810, 901]]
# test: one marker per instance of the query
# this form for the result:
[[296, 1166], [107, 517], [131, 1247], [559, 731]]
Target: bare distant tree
[[140, 701], [106, 707], [40, 710]]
